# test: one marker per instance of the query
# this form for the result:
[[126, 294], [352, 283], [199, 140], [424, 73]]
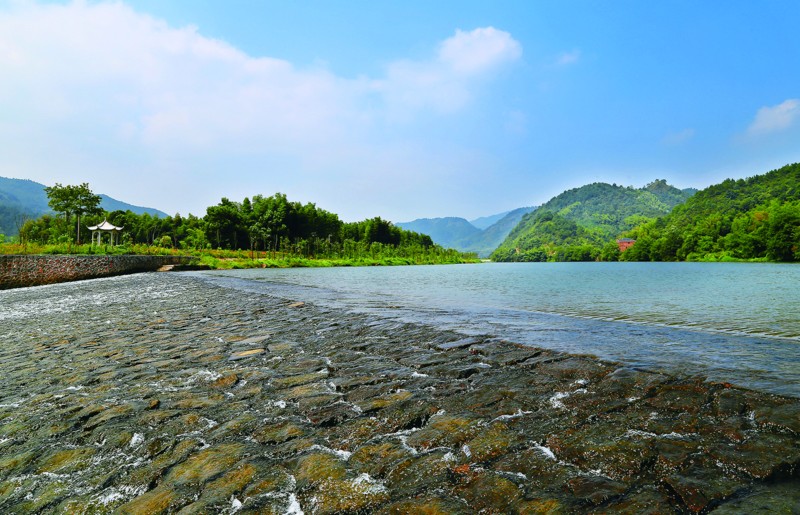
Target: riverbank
[[159, 392], [22, 270]]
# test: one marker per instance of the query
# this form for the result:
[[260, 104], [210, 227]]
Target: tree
[[77, 200]]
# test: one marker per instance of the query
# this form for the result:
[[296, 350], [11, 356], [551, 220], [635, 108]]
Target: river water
[[731, 322]]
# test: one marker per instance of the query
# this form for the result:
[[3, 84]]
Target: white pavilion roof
[[105, 226]]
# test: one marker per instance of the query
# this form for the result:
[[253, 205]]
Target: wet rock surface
[[199, 399]]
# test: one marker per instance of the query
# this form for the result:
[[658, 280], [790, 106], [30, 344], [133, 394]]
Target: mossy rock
[[419, 474], [67, 460], [297, 380], [206, 464], [446, 431], [272, 479], [15, 463], [426, 506], [356, 495], [305, 390], [316, 468], [493, 442], [542, 472], [378, 403], [377, 459], [278, 432], [197, 403], [216, 495], [161, 499], [544, 506], [225, 381], [487, 492]]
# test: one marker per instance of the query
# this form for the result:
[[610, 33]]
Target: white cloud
[[775, 118], [478, 51], [567, 58], [446, 82], [98, 92], [676, 138]]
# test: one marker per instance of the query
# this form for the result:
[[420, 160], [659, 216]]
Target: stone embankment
[[18, 271], [183, 397]]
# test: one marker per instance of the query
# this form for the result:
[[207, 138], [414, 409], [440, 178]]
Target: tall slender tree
[[78, 200]]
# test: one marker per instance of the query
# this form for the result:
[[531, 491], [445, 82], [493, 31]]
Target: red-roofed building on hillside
[[625, 243]]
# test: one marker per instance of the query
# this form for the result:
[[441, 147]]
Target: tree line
[[747, 219], [273, 224]]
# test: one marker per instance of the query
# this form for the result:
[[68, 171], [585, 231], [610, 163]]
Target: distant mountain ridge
[[23, 198], [576, 224], [481, 236], [484, 222]]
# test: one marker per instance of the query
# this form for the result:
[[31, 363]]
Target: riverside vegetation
[[262, 232], [754, 219]]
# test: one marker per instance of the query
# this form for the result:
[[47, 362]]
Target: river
[[731, 322]]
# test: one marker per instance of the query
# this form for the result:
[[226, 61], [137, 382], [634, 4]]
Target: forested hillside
[[23, 199], [582, 223], [20, 200], [747, 219]]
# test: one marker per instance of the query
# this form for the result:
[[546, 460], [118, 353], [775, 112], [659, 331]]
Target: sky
[[399, 109]]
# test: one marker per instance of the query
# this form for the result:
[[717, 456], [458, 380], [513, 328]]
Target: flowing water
[[731, 322]]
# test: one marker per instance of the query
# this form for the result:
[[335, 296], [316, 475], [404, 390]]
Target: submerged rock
[[203, 400]]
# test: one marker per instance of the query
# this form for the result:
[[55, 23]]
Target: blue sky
[[399, 109]]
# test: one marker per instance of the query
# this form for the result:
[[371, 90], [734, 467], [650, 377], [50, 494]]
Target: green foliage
[[264, 231], [752, 219], [580, 224], [73, 200]]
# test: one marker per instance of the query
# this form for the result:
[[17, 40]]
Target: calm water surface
[[728, 321]]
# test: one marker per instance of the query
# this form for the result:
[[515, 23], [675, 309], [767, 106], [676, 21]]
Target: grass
[[219, 259]]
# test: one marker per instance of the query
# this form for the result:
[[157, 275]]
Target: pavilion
[[105, 228]]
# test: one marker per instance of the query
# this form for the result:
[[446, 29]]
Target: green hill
[[582, 223], [747, 219], [22, 199]]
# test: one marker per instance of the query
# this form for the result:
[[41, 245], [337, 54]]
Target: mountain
[[578, 223], [747, 219], [484, 222], [110, 204], [21, 199], [443, 231], [458, 233]]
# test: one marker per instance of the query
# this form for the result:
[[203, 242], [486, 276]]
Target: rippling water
[[729, 321]]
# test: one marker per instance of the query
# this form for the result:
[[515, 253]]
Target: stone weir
[[17, 271], [190, 398]]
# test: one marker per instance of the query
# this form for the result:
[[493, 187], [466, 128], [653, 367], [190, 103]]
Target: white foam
[[546, 451], [555, 400], [518, 414], [294, 507], [136, 440], [236, 504], [342, 454]]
